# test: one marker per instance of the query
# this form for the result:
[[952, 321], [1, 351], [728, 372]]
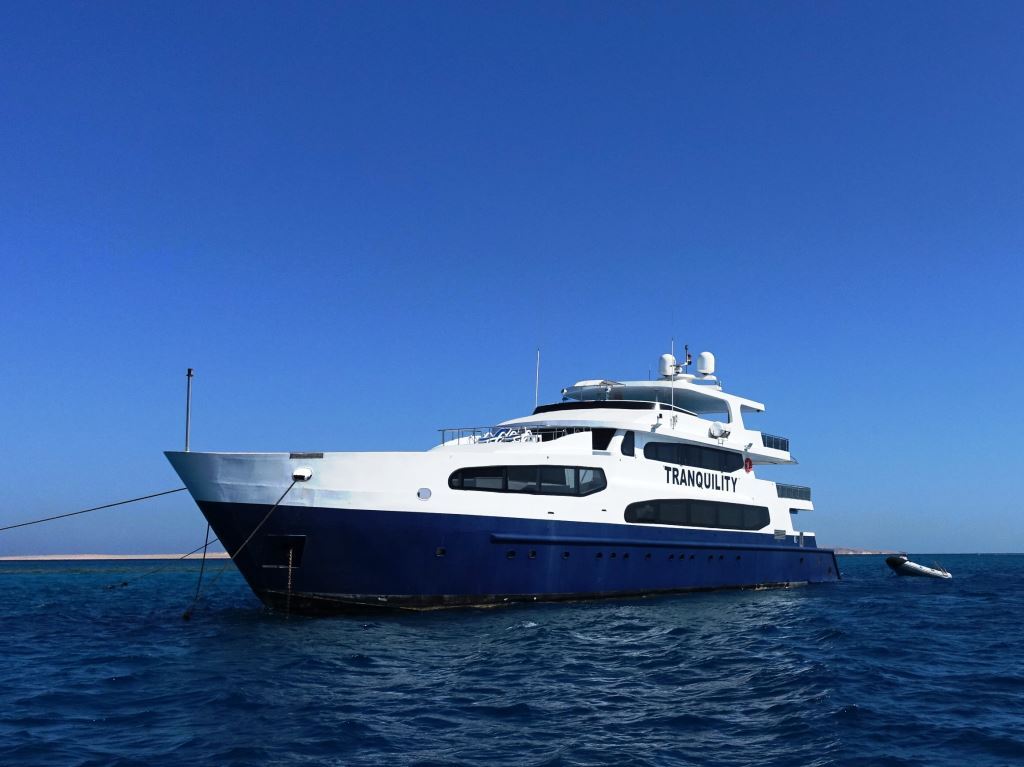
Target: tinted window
[[694, 455], [643, 512], [629, 443], [546, 480], [557, 480], [601, 438], [796, 492], [702, 514], [484, 478], [691, 513], [730, 516], [522, 479], [671, 513], [591, 480]]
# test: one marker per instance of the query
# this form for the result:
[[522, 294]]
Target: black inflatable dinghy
[[903, 566]]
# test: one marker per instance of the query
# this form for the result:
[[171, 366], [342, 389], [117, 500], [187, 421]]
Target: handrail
[[477, 435]]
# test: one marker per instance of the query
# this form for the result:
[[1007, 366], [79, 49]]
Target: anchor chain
[[288, 596]]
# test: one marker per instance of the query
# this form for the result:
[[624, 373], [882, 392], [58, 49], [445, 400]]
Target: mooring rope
[[202, 566], [188, 610], [164, 566], [94, 508]]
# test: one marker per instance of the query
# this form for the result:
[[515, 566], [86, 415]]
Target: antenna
[[536, 382], [675, 369], [687, 358], [188, 407]]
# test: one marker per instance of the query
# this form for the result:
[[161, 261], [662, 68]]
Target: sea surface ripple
[[875, 670]]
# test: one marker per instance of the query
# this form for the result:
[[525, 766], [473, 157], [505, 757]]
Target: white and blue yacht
[[621, 489]]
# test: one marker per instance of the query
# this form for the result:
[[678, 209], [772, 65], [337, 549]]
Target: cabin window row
[[540, 480], [694, 513], [697, 456]]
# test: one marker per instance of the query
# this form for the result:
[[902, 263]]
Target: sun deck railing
[[484, 435]]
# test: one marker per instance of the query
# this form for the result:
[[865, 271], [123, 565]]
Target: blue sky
[[358, 222]]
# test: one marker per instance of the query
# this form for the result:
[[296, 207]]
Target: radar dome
[[706, 364], [667, 365]]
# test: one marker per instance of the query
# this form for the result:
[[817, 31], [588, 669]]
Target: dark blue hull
[[313, 559]]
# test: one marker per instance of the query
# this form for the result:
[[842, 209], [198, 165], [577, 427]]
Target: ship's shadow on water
[[874, 670]]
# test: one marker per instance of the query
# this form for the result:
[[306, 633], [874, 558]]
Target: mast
[[536, 382], [188, 408], [674, 366]]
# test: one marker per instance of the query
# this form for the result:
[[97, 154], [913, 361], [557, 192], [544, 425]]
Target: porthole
[[613, 555], [440, 551], [533, 554], [423, 493], [510, 554], [565, 555], [626, 555], [671, 556], [647, 555], [599, 555]]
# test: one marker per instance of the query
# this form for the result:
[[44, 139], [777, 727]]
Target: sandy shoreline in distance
[[82, 557]]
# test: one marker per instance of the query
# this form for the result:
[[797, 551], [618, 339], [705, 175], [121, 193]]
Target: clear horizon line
[[102, 557]]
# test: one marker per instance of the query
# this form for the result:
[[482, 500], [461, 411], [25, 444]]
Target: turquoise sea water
[[875, 670]]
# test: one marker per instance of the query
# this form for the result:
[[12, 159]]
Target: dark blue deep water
[[875, 670]]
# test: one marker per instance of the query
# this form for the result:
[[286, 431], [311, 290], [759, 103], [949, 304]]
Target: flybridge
[[696, 394]]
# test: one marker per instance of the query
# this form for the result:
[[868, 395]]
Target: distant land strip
[[98, 557]]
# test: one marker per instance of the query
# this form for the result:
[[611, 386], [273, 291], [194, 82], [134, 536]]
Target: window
[[601, 438], [545, 480], [795, 492], [776, 443], [731, 517], [591, 480], [702, 514], [483, 478], [693, 513], [557, 480], [694, 455], [522, 479], [629, 443]]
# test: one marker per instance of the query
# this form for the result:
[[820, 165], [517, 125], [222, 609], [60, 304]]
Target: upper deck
[[677, 406]]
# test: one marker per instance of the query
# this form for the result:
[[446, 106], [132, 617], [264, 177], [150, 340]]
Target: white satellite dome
[[706, 364], [667, 365]]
